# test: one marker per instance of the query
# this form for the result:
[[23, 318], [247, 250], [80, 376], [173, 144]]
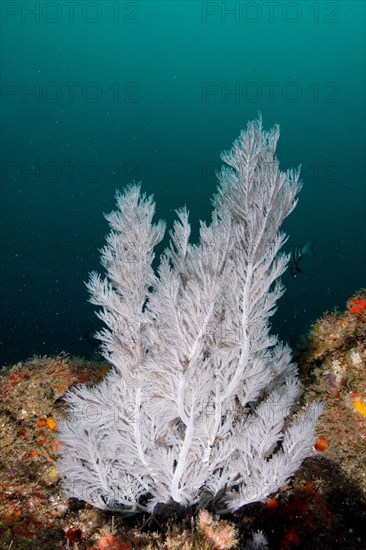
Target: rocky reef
[[324, 505]]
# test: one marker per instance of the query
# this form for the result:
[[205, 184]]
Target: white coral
[[195, 407]]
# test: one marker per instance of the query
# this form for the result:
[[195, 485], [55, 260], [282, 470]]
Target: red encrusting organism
[[359, 307]]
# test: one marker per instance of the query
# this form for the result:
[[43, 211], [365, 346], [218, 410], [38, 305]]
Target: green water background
[[98, 94]]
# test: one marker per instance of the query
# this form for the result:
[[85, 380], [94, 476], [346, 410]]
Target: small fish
[[296, 255]]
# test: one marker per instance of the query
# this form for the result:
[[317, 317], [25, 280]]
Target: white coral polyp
[[193, 412]]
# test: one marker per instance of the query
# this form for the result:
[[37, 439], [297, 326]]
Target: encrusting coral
[[335, 364]]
